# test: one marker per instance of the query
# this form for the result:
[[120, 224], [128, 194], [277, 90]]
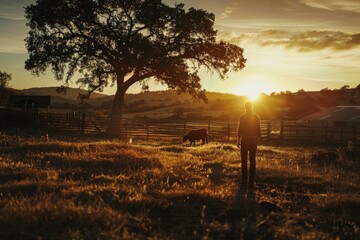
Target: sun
[[252, 94], [253, 87]]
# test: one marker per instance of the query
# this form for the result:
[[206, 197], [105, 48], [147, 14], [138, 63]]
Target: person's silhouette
[[248, 136]]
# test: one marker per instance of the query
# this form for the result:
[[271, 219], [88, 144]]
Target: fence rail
[[313, 131]]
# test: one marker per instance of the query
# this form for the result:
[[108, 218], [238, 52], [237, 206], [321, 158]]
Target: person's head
[[248, 106]]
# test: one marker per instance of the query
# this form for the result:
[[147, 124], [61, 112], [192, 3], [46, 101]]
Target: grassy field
[[79, 189]]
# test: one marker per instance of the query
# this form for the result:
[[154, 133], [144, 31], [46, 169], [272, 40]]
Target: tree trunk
[[114, 127]]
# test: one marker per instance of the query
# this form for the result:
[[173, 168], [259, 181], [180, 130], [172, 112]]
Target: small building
[[344, 114], [29, 102]]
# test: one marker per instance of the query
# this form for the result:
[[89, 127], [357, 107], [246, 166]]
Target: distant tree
[[345, 87], [344, 90], [124, 42], [4, 79], [4, 83], [325, 90], [301, 92]]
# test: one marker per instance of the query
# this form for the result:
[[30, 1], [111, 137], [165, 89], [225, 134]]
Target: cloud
[[12, 10], [334, 5], [348, 60], [232, 37], [9, 45], [306, 41], [310, 40], [10, 16], [228, 10]]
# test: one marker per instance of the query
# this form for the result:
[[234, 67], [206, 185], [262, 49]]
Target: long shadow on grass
[[189, 214], [243, 216], [203, 216], [252, 219]]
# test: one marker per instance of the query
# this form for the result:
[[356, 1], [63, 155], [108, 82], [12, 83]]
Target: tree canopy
[[4, 79], [123, 42]]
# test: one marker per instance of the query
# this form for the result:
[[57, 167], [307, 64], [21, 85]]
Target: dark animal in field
[[199, 134]]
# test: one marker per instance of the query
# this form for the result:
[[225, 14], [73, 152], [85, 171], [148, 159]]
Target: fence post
[[354, 133], [79, 120], [83, 123], [147, 131], [228, 132], [341, 134], [184, 126], [126, 127], [268, 130], [326, 132], [36, 118]]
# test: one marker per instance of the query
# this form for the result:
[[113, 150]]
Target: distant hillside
[[158, 104], [221, 106], [71, 93]]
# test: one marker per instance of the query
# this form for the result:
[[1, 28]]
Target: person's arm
[[239, 133], [258, 129]]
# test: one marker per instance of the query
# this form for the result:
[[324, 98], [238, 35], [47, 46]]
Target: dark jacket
[[249, 125]]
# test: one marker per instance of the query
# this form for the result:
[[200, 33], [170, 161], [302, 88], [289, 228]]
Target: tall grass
[[52, 189]]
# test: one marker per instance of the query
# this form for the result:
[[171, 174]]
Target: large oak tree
[[123, 42]]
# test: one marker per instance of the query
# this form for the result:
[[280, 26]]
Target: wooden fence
[[300, 131], [154, 129]]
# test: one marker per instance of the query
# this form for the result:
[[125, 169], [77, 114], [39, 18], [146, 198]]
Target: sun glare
[[253, 87], [252, 94]]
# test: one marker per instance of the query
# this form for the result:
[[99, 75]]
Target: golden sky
[[289, 44]]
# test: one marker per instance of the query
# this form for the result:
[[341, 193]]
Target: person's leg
[[244, 153], [252, 169]]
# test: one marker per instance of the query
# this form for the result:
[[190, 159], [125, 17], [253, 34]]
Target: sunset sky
[[289, 44]]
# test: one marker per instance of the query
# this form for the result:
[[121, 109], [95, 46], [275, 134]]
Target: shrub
[[349, 153], [324, 158]]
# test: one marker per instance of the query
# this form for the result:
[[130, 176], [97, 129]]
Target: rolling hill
[[221, 106]]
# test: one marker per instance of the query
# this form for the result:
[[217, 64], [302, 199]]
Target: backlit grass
[[98, 189]]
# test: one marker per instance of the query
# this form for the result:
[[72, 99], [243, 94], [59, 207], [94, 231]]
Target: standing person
[[248, 136]]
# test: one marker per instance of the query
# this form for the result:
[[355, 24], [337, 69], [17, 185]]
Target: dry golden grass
[[113, 190]]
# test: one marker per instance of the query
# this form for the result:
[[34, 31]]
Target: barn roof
[[337, 114]]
